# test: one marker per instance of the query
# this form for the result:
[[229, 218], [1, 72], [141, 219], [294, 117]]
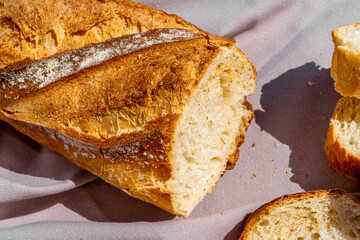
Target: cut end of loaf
[[342, 145], [347, 35], [322, 214], [206, 136]]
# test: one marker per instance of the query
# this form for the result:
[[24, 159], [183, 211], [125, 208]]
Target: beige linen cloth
[[43, 196]]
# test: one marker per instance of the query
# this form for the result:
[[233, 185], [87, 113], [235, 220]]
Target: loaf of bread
[[345, 66], [159, 113], [322, 214], [342, 144]]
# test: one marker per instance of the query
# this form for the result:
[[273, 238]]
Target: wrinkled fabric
[[44, 196]]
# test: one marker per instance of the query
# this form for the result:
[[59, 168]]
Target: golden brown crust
[[145, 164], [20, 80], [163, 83], [29, 31], [267, 208], [345, 69]]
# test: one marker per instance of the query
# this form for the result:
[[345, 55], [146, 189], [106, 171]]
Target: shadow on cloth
[[22, 155], [96, 201], [297, 107], [235, 233]]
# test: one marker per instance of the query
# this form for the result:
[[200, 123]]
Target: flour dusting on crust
[[40, 74]]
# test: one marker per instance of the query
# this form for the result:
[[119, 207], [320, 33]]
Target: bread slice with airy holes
[[345, 66], [322, 214], [342, 144]]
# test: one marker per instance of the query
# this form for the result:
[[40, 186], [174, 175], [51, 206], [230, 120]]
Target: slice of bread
[[322, 214], [342, 144], [345, 66]]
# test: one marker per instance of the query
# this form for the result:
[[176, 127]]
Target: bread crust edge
[[337, 156], [265, 209]]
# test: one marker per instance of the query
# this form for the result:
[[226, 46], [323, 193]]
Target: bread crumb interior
[[206, 135]]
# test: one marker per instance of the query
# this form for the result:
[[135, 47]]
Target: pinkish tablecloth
[[43, 196]]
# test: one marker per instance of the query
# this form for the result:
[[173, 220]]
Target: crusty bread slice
[[345, 66], [322, 214], [342, 144], [159, 114]]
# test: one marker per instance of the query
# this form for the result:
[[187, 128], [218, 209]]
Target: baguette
[[159, 114], [345, 66], [342, 144], [321, 214]]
